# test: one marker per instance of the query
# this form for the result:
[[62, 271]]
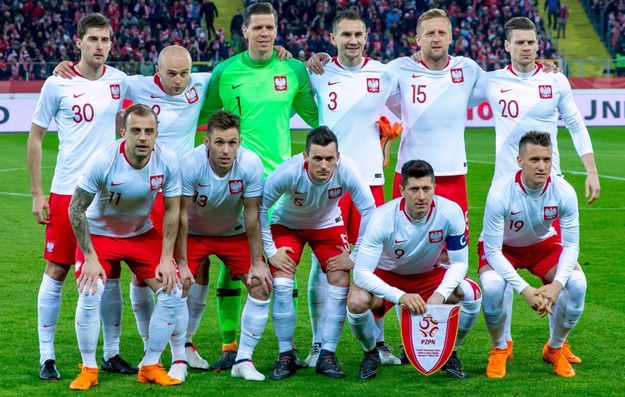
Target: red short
[[452, 187], [233, 251], [538, 259], [141, 253], [158, 213], [323, 242], [60, 241], [350, 214]]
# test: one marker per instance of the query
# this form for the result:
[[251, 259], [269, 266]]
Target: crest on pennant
[[115, 91], [457, 76], [235, 186], [191, 95], [156, 182], [279, 83], [545, 91], [373, 84], [550, 212], [429, 339]]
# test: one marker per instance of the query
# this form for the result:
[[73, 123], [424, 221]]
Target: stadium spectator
[[209, 11], [562, 20]]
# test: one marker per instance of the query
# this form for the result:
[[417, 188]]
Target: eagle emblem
[[436, 236], [545, 92], [235, 186], [115, 91], [156, 182], [279, 83], [373, 84], [457, 76], [191, 95], [550, 212]]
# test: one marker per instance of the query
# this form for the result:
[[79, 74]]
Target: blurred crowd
[[35, 33]]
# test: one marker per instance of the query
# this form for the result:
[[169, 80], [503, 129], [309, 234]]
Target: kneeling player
[[398, 263], [222, 185], [122, 182], [519, 233]]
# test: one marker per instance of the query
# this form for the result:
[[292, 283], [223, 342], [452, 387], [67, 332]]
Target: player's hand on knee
[[341, 262], [282, 261], [186, 277], [315, 63], [64, 70], [90, 272], [167, 274], [413, 302], [261, 272]]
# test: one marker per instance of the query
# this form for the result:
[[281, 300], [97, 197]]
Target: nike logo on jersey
[[153, 96], [502, 90], [333, 82], [416, 76], [515, 212], [234, 87], [116, 184], [79, 95], [399, 241]]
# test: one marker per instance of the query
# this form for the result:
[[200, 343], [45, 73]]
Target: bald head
[[174, 69]]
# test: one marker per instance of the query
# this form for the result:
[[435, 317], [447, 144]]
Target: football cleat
[[299, 363], [328, 365], [155, 373], [496, 367], [453, 367], [311, 360], [225, 362], [561, 365], [193, 357], [48, 371], [118, 365], [87, 378], [369, 365], [386, 354], [568, 353], [403, 357], [178, 370], [284, 366], [245, 369], [509, 350]]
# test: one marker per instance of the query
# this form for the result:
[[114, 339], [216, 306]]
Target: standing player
[[262, 91], [84, 110], [351, 95], [222, 187], [519, 232], [525, 98], [398, 263], [309, 187], [122, 183]]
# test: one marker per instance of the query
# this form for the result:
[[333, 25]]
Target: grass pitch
[[597, 338]]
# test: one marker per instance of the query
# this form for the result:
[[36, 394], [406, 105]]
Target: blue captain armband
[[455, 243]]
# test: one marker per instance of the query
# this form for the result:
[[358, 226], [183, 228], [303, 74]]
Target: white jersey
[[177, 114], [516, 216], [434, 112], [84, 112], [350, 100], [395, 242], [125, 195], [305, 204], [523, 102], [217, 207]]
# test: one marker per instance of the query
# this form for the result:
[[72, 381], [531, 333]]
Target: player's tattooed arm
[[77, 207]]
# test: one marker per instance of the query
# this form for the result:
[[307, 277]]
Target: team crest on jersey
[[373, 84], [436, 236], [116, 92], [191, 95], [457, 76], [279, 83], [550, 212], [156, 182], [235, 186], [335, 193], [545, 92]]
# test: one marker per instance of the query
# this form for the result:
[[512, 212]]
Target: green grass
[[597, 339]]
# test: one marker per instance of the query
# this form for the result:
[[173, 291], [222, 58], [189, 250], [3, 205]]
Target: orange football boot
[[560, 364], [87, 378], [155, 373], [496, 367]]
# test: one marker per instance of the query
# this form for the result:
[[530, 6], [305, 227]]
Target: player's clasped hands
[[90, 272], [167, 274], [282, 261], [413, 302], [341, 262], [537, 300]]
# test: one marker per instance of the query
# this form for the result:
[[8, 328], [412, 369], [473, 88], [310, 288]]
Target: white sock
[[469, 309], [334, 317], [493, 287], [508, 299], [88, 325], [379, 324], [317, 294], [142, 300], [253, 322], [567, 310], [161, 325], [179, 335], [283, 313], [196, 303], [362, 326], [48, 307], [111, 316]]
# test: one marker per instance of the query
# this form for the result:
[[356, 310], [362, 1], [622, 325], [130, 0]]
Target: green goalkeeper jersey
[[263, 94]]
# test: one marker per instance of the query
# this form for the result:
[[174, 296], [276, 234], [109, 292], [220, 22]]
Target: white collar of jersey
[[425, 219], [356, 68], [531, 192], [538, 68]]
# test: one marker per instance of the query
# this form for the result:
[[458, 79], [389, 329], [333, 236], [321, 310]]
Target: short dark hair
[[223, 120], [518, 23], [260, 8], [535, 138], [416, 169], [140, 110], [93, 20], [322, 136], [348, 15]]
